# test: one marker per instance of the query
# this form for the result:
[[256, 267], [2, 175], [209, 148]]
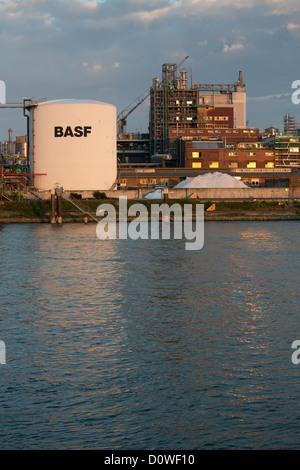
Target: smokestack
[[240, 85]]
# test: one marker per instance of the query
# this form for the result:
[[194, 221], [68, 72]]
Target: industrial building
[[176, 103], [13, 152], [81, 145], [133, 148]]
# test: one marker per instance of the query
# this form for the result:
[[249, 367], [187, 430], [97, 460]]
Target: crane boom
[[123, 115], [180, 63]]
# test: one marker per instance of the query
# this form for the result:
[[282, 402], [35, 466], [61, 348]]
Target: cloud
[[92, 5], [94, 68], [148, 16], [277, 96], [292, 26], [76, 48], [233, 47]]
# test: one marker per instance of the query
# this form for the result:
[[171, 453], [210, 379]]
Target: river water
[[124, 344]]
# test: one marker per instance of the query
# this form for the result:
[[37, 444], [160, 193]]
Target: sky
[[110, 51]]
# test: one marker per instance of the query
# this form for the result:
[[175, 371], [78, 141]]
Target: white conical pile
[[211, 180]]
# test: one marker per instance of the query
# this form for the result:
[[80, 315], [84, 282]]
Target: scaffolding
[[176, 105], [287, 150], [290, 124]]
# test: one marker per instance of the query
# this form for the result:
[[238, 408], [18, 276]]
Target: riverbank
[[36, 211]]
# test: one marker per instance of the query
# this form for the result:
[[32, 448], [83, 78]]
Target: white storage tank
[[73, 145]]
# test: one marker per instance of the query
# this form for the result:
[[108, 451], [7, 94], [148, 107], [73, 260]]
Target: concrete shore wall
[[208, 194], [211, 194]]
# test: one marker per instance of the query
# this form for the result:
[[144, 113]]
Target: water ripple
[[143, 345]]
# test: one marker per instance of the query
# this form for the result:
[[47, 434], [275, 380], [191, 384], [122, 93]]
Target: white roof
[[72, 101], [156, 194]]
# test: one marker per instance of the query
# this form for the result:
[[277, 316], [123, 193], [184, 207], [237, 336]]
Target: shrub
[[99, 195], [75, 196]]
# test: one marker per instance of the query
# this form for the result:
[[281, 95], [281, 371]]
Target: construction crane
[[121, 121], [180, 63], [123, 115]]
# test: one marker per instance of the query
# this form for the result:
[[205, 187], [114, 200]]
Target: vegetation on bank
[[40, 210]]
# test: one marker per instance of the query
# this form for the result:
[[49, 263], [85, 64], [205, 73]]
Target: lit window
[[197, 165], [269, 165], [213, 164], [221, 118], [251, 165]]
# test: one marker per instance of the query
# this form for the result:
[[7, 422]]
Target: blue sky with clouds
[[110, 51]]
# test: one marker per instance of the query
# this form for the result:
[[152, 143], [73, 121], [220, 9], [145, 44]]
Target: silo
[[73, 145]]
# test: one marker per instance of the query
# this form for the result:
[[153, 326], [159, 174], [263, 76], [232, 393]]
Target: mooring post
[[166, 195], [59, 205], [53, 219]]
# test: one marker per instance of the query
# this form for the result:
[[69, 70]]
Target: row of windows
[[229, 131], [232, 154], [146, 181], [235, 154], [231, 165], [221, 118], [217, 118]]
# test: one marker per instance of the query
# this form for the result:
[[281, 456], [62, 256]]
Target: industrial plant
[[194, 128]]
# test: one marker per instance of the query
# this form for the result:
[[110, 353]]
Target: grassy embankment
[[40, 211]]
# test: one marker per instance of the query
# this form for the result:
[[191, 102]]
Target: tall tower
[[239, 102], [290, 124]]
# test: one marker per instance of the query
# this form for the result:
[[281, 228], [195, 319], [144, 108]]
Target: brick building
[[216, 154]]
